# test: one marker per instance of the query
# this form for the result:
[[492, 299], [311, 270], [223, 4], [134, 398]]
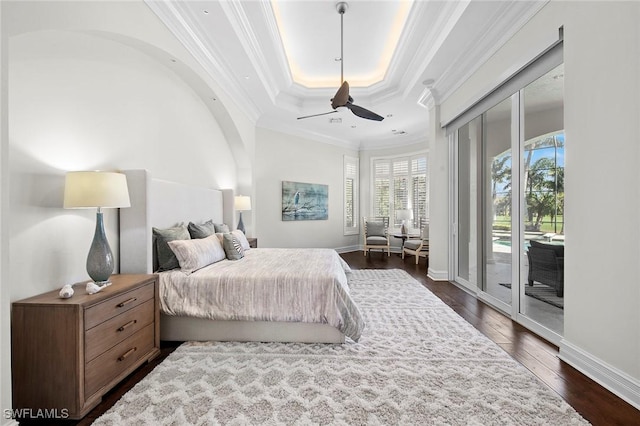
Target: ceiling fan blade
[[316, 115], [342, 96], [364, 113]]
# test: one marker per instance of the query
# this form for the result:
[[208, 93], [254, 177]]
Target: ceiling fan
[[342, 97]]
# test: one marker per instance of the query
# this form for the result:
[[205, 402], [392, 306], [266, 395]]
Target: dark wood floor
[[592, 401]]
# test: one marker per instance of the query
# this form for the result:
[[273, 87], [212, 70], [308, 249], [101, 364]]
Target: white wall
[[79, 102], [281, 157], [602, 204], [85, 93], [5, 313]]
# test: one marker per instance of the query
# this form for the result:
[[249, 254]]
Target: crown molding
[[237, 16], [515, 16], [430, 45], [189, 37]]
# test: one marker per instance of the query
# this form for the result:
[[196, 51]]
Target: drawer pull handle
[[126, 354], [126, 302], [129, 324]]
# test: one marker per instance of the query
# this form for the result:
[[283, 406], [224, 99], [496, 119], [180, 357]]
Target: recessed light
[[246, 77], [428, 82], [173, 60], [206, 12]]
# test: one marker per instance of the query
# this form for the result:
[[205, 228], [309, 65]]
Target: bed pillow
[[232, 247], [202, 230], [242, 238], [221, 228], [197, 253], [164, 255]]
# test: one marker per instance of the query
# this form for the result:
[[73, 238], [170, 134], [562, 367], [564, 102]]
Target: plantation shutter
[[382, 188], [350, 195]]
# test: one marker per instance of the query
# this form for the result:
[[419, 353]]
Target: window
[[350, 195], [401, 183]]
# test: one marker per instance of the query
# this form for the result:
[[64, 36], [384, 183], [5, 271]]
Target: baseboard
[[348, 249], [618, 382], [438, 275]]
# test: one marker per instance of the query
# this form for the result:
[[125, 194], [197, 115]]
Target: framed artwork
[[305, 201]]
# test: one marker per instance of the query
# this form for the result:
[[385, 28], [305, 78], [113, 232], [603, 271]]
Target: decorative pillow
[[197, 253], [202, 230], [375, 229], [164, 255], [221, 227], [242, 238], [232, 247]]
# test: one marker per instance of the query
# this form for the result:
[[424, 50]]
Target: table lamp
[[403, 215], [242, 203], [85, 190]]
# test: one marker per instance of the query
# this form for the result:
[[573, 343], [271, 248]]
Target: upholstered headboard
[[162, 204]]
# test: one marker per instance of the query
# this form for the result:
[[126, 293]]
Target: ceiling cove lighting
[[290, 15]]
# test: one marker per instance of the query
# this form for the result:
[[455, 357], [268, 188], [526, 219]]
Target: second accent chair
[[419, 247], [376, 234]]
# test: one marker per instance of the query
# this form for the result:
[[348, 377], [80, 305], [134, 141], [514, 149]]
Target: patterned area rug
[[417, 362], [541, 292]]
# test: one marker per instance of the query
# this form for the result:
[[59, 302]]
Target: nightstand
[[67, 353], [253, 242]]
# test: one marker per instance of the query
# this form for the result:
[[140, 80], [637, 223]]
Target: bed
[[323, 311]]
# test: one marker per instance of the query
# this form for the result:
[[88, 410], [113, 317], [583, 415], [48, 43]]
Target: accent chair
[[419, 247], [376, 234]]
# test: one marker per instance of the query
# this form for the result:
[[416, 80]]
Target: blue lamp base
[[241, 224], [100, 258]]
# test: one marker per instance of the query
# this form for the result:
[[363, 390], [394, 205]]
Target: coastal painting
[[305, 201]]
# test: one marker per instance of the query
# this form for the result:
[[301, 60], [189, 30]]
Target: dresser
[[67, 353]]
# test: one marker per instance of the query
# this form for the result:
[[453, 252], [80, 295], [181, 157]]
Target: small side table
[[404, 237]]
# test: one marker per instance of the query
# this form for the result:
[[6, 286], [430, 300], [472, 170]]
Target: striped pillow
[[197, 253], [232, 247]]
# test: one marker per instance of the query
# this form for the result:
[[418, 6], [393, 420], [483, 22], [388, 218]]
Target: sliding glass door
[[542, 143], [496, 195], [509, 239]]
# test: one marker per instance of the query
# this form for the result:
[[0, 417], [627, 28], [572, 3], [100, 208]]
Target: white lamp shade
[[404, 214], [95, 189], [242, 202]]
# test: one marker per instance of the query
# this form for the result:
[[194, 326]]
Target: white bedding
[[290, 285]]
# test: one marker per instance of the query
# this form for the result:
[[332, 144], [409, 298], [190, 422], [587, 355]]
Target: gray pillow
[[232, 247], [221, 228], [164, 255], [375, 229], [202, 230]]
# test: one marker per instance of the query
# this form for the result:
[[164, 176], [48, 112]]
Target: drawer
[[111, 364], [111, 332], [116, 305]]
